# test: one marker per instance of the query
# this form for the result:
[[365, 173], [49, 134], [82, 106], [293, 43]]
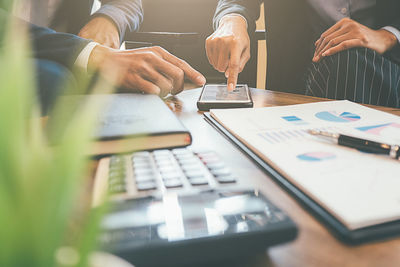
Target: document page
[[360, 189]]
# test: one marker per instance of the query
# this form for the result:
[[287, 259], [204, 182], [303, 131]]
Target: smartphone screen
[[219, 93]]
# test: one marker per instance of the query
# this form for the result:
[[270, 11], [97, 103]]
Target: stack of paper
[[358, 188]]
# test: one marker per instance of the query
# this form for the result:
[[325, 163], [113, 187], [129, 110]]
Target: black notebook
[[133, 122]]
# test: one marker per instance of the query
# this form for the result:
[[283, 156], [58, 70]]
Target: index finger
[[190, 72], [233, 69]]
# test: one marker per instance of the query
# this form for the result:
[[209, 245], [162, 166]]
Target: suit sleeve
[[396, 24], [62, 48], [394, 54], [47, 44], [127, 15], [250, 9]]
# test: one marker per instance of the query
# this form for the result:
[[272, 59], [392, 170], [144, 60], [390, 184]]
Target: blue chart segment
[[316, 156], [294, 120], [334, 116]]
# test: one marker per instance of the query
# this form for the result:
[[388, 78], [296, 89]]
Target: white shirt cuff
[[233, 15], [82, 60], [393, 30]]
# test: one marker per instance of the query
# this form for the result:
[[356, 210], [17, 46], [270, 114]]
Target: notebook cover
[[130, 116]]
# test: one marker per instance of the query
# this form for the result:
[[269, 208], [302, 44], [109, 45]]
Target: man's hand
[[150, 70], [228, 48], [102, 31], [347, 34]]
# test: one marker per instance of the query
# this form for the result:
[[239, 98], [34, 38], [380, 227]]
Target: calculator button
[[139, 171], [142, 165], [185, 156], [166, 169], [221, 172], [117, 188], [173, 183], [116, 169], [210, 160], [215, 165], [191, 167], [186, 161], [145, 186], [164, 163], [141, 162], [225, 179], [117, 173], [116, 159], [116, 181], [170, 175], [117, 164], [198, 181], [194, 174], [164, 155], [144, 178]]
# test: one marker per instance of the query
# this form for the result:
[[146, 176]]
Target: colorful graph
[[316, 156], [334, 116], [294, 120], [378, 129]]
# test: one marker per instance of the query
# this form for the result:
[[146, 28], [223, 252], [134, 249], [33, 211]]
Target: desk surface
[[315, 246]]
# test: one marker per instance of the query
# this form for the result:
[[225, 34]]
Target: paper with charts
[[359, 189]]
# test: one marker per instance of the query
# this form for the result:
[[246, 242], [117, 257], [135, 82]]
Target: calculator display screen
[[173, 218]]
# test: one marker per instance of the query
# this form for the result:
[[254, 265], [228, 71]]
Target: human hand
[[347, 34], [101, 30], [228, 48], [151, 70]]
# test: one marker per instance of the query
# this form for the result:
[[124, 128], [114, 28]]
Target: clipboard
[[351, 237]]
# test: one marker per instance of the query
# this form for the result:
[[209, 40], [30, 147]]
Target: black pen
[[361, 144]]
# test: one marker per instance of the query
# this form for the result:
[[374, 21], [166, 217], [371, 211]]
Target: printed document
[[360, 189]]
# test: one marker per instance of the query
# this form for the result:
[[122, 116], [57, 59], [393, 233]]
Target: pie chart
[[316, 156], [334, 116]]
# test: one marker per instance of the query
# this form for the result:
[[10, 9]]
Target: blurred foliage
[[7, 4], [43, 215]]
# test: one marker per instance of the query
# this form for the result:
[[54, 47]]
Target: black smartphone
[[218, 96]]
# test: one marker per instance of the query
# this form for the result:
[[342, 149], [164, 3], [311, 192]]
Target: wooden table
[[315, 245]]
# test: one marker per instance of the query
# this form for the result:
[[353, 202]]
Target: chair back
[[289, 43]]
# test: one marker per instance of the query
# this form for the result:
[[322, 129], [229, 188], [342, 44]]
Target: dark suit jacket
[[289, 36], [47, 44], [62, 48], [72, 15]]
